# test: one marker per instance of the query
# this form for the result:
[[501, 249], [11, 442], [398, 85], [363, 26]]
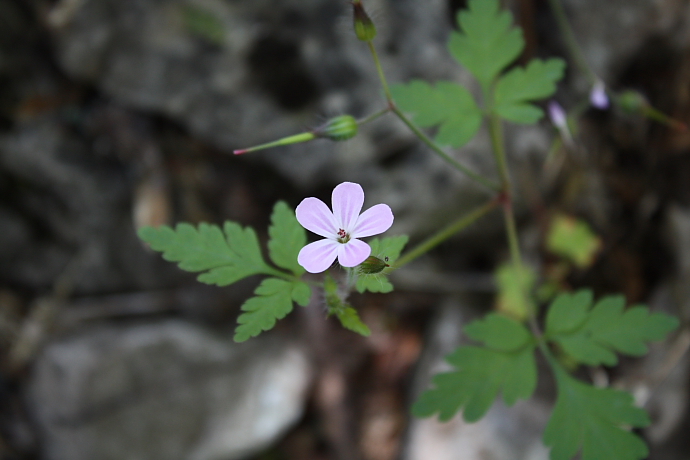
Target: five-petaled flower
[[340, 228]]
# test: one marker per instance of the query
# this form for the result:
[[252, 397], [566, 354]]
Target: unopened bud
[[632, 101], [373, 265], [598, 97], [560, 120], [557, 115], [340, 128], [364, 26]]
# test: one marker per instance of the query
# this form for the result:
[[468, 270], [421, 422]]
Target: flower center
[[343, 237]]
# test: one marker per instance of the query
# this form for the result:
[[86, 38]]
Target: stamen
[[343, 237]]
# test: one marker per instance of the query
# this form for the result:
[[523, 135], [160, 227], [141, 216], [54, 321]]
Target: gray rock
[[273, 69], [599, 27], [167, 390]]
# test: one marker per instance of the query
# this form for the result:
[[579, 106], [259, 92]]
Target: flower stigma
[[343, 236]]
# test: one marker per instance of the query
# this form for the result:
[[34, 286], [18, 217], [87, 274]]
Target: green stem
[[423, 137], [294, 139], [373, 116], [496, 134], [439, 151], [445, 233], [511, 231], [570, 40], [379, 69], [268, 270]]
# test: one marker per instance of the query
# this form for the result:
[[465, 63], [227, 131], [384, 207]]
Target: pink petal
[[353, 253], [316, 257], [347, 200], [314, 215], [373, 221]]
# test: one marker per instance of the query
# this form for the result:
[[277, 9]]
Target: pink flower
[[598, 97], [340, 228]]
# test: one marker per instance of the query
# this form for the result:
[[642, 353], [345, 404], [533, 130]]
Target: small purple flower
[[598, 97], [560, 120], [340, 228], [557, 115]]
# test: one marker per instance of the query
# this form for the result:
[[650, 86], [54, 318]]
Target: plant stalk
[[445, 233]]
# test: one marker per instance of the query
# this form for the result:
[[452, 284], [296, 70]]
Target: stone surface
[[599, 27], [167, 390], [271, 71]]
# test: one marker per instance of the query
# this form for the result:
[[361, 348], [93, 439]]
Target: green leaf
[[592, 421], [224, 258], [594, 336], [301, 293], [499, 332], [347, 315], [389, 247], [572, 239], [568, 312], [447, 104], [520, 86], [273, 301], [515, 290], [481, 373], [349, 318], [373, 283], [287, 238], [487, 41]]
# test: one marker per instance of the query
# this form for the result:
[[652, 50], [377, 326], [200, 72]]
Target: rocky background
[[121, 113]]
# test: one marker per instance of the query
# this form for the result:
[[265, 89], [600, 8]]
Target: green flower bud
[[632, 101], [373, 265], [340, 128], [364, 26]]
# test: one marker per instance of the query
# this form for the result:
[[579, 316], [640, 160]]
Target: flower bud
[[373, 265], [632, 101], [340, 128], [364, 26], [598, 97]]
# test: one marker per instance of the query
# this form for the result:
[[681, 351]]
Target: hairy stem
[[373, 116], [423, 137], [439, 151], [445, 233], [570, 40]]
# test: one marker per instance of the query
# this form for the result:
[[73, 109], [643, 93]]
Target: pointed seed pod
[[364, 26], [373, 265], [340, 128]]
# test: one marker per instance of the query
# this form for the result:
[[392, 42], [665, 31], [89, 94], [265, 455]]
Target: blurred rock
[[502, 434], [166, 391], [243, 73], [599, 27]]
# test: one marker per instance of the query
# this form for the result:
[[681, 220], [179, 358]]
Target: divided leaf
[[481, 374], [224, 258], [272, 302], [592, 421], [447, 104], [499, 332], [516, 89], [508, 366], [347, 315], [488, 42], [349, 318], [390, 247], [287, 238], [594, 336]]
